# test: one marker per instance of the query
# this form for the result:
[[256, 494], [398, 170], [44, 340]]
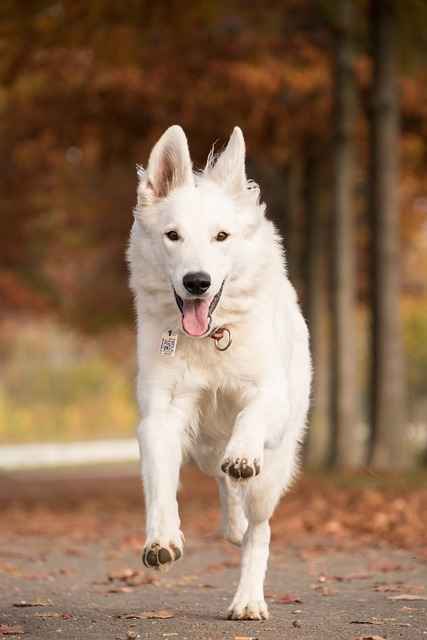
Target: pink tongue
[[195, 316]]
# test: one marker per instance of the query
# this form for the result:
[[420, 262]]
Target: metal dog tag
[[168, 344]]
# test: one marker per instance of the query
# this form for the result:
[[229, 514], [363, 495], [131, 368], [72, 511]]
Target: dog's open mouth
[[197, 313]]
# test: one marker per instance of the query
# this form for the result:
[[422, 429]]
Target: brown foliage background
[[86, 89]]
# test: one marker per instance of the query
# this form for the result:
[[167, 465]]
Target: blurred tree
[[316, 307], [387, 386], [343, 385], [86, 89], [292, 193]]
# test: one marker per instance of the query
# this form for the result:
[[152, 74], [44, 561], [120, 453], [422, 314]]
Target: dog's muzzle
[[197, 313]]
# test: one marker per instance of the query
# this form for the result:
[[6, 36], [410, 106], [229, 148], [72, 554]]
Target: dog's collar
[[222, 337]]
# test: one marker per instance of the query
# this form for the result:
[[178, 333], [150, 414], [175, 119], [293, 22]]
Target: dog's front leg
[[160, 436], [258, 426]]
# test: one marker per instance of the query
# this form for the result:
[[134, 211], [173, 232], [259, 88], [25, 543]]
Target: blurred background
[[332, 98]]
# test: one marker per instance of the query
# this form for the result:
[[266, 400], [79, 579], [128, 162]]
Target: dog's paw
[[157, 556], [248, 610], [241, 468]]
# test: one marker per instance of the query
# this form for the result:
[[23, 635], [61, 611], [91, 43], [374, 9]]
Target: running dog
[[223, 353]]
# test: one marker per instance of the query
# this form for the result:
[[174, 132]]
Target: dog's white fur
[[249, 402]]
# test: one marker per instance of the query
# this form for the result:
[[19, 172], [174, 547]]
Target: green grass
[[57, 387]]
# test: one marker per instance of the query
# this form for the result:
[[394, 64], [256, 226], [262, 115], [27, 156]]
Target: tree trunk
[[316, 311], [292, 231], [345, 449], [388, 426]]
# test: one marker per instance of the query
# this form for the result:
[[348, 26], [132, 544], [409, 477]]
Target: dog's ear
[[229, 169], [169, 166]]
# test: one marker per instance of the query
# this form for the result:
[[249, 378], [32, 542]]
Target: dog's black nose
[[197, 283]]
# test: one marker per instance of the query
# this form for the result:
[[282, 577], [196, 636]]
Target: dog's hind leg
[[234, 521], [249, 603], [260, 498]]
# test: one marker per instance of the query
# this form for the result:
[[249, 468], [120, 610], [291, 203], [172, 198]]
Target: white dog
[[223, 352]]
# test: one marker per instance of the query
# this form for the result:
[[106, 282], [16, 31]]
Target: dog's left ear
[[229, 169]]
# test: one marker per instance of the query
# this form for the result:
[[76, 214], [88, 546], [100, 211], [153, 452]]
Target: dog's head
[[200, 226]]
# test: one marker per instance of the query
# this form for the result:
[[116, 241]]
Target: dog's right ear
[[169, 166]]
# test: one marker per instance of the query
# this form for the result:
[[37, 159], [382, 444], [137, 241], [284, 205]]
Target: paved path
[[342, 596], [92, 586]]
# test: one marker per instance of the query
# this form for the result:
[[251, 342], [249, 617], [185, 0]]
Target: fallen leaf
[[140, 579], [122, 574], [53, 614], [6, 567], [352, 576], [325, 590], [120, 590], [11, 630], [407, 596], [162, 614], [386, 588], [228, 564], [74, 551], [288, 598], [131, 577], [45, 602], [386, 567]]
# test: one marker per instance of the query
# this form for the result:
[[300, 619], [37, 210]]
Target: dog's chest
[[218, 410], [239, 365]]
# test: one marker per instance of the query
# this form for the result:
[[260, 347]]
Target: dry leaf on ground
[[324, 590], [352, 576], [407, 596], [132, 577], [41, 602], [53, 614], [162, 614], [11, 630], [386, 567], [288, 598], [121, 574]]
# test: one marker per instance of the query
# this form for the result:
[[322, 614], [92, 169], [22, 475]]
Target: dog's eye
[[221, 236], [172, 235]]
